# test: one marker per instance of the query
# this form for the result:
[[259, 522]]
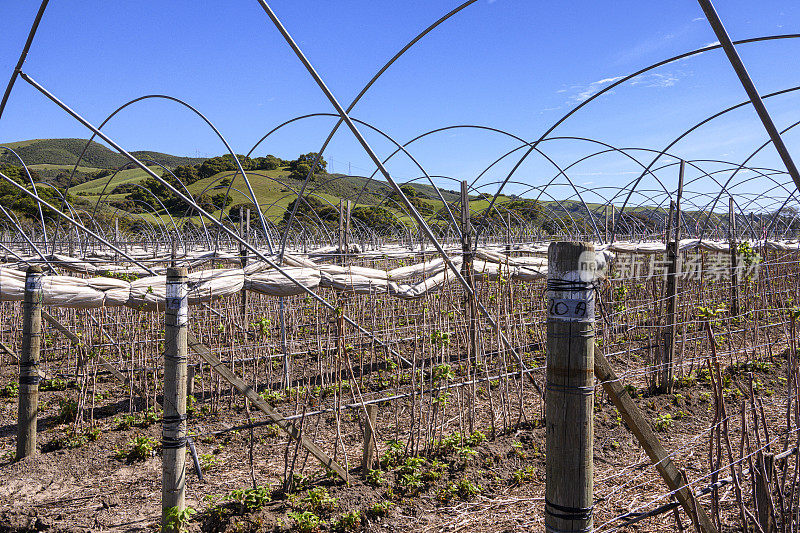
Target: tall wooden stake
[[116, 238], [370, 423], [173, 485], [29, 363], [569, 397], [613, 222], [762, 482], [348, 207], [466, 267], [244, 232], [344, 229], [666, 372], [732, 245], [668, 228]]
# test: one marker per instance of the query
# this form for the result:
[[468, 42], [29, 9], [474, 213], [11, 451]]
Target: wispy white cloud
[[584, 92], [698, 19], [581, 93], [601, 173], [655, 79]]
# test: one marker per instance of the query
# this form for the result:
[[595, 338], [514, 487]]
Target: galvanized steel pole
[[750, 88]]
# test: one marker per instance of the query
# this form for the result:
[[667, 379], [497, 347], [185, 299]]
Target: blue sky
[[511, 64]]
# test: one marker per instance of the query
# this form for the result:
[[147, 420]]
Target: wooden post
[[467, 270], [569, 397], [613, 222], [666, 372], [29, 363], [116, 238], [732, 245], [765, 466], [368, 461], [340, 251], [668, 225], [244, 232], [347, 227], [173, 485]]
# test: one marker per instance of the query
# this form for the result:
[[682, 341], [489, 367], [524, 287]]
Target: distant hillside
[[67, 151], [274, 181]]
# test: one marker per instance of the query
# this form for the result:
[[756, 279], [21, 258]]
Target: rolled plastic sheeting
[[12, 285], [66, 291], [275, 284], [149, 292]]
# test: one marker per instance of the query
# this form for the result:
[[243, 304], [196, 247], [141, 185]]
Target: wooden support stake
[[116, 238], [344, 229], [613, 221], [258, 402], [340, 242], [765, 465], [674, 478], [668, 228], [467, 269], [347, 227], [666, 371], [173, 434], [368, 461], [732, 245], [569, 396], [244, 232], [29, 362]]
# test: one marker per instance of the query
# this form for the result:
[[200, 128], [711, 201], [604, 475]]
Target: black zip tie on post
[[582, 391], [564, 285], [584, 334], [170, 443], [569, 513]]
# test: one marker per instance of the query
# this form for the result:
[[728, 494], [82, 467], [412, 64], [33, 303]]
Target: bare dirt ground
[[464, 484]]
